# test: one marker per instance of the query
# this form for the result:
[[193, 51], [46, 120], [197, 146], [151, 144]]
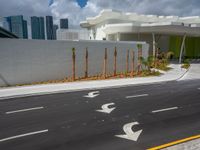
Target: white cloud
[[71, 10]]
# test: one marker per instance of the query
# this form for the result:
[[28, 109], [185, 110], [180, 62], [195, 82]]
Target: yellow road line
[[175, 142]]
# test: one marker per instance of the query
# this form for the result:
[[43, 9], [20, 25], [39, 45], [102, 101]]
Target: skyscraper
[[18, 26], [25, 29], [64, 23], [49, 27], [37, 27], [42, 31], [4, 23], [55, 27], [8, 20]]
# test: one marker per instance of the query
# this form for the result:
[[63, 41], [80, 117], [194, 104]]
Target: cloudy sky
[[77, 10]]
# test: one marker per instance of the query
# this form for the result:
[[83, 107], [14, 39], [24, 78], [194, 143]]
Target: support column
[[154, 45], [182, 48], [118, 36]]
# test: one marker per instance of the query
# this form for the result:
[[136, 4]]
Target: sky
[[78, 10]]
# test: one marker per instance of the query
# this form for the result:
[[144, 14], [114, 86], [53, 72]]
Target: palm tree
[[105, 63], [147, 62], [143, 62], [115, 61], [86, 63], [139, 46], [132, 71], [73, 64], [127, 61], [150, 61]]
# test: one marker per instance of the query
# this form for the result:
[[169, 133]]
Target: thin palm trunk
[[127, 61], [105, 63], [133, 59], [139, 59], [115, 62], [73, 64], [86, 63]]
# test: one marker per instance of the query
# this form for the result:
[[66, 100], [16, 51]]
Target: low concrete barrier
[[28, 61]]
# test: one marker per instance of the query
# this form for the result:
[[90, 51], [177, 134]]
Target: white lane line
[[166, 109], [133, 96], [23, 135], [23, 110]]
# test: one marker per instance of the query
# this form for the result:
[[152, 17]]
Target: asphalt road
[[148, 115]]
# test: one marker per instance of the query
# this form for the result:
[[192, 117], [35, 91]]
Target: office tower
[[25, 29], [37, 27], [55, 27], [8, 20], [18, 26], [49, 27], [4, 23], [64, 23], [42, 31]]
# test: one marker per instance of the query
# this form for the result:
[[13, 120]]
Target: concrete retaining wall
[[28, 61]]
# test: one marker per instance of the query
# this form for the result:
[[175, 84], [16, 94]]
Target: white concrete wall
[[28, 61], [96, 32], [72, 34]]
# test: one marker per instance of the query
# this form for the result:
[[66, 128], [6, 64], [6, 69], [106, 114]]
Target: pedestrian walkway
[[190, 145], [174, 74], [193, 73]]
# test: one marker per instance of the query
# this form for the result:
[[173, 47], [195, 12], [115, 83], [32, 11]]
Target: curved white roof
[[164, 28], [134, 17]]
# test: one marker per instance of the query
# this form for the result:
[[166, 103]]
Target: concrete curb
[[82, 89], [79, 90], [184, 74]]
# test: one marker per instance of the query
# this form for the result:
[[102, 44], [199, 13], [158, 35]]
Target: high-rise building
[[4, 23], [18, 26], [8, 20], [42, 31], [25, 29], [64, 23], [37, 27], [49, 27], [55, 28]]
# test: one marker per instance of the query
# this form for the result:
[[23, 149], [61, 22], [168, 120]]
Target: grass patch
[[186, 66], [162, 65], [163, 68]]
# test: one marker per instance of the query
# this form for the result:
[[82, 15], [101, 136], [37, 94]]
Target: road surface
[[127, 118]]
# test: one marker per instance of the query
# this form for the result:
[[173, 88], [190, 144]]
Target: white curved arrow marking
[[105, 108], [92, 94], [130, 135]]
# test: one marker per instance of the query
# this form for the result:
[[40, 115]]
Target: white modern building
[[166, 32], [72, 34]]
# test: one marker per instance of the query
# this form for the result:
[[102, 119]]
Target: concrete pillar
[[182, 48], [107, 37], [118, 36], [154, 45]]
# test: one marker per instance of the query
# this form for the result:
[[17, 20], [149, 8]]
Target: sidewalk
[[174, 74], [190, 145], [193, 73]]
